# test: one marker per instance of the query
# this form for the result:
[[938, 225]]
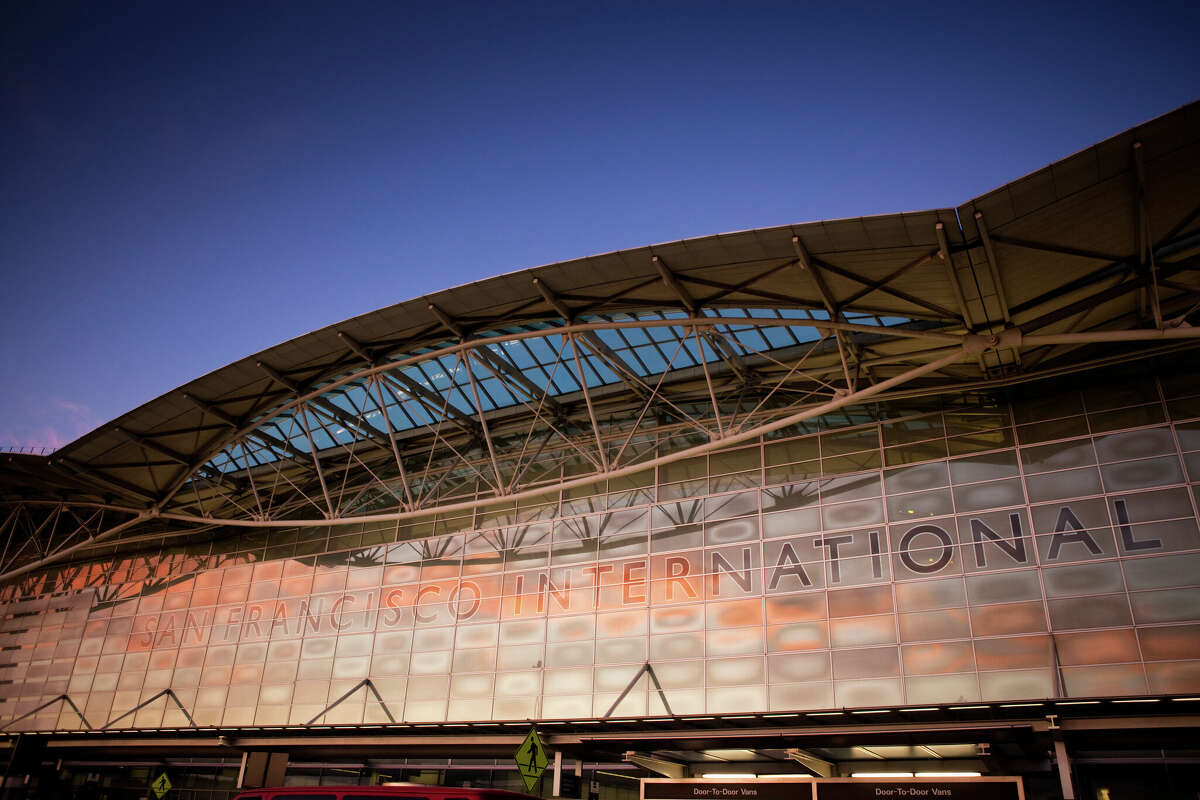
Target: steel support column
[[1064, 769]]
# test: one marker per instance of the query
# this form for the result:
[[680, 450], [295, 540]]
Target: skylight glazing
[[448, 390]]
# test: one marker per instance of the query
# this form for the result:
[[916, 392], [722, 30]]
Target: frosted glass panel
[[739, 700], [471, 686], [518, 683], [620, 651], [733, 671], [801, 696], [567, 681], [678, 645], [935, 581], [867, 693], [573, 654], [872, 662], [794, 667], [733, 641], [942, 689], [567, 707], [854, 632]]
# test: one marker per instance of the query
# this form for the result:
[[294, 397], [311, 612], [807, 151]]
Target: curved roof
[[598, 368]]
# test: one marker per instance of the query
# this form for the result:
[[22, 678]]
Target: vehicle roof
[[384, 791]]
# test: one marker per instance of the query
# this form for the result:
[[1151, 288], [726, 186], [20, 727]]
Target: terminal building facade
[[917, 491]]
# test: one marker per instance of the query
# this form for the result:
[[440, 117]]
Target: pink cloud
[[47, 426]]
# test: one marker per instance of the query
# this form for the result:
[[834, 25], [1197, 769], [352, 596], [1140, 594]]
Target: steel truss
[[274, 494], [575, 387]]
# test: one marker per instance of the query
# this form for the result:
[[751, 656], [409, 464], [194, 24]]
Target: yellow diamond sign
[[531, 759], [161, 785]]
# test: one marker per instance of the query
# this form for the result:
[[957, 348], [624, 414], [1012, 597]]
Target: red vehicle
[[411, 791]]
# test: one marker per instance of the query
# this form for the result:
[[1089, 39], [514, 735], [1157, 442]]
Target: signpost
[[531, 759], [161, 785]]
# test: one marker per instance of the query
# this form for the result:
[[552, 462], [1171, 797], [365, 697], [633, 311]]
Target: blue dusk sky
[[185, 183]]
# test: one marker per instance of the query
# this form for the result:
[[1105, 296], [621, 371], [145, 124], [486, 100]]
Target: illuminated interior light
[[949, 774], [881, 775], [729, 775]]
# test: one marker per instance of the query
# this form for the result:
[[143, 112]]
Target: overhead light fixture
[[949, 774], [733, 776], [881, 775]]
